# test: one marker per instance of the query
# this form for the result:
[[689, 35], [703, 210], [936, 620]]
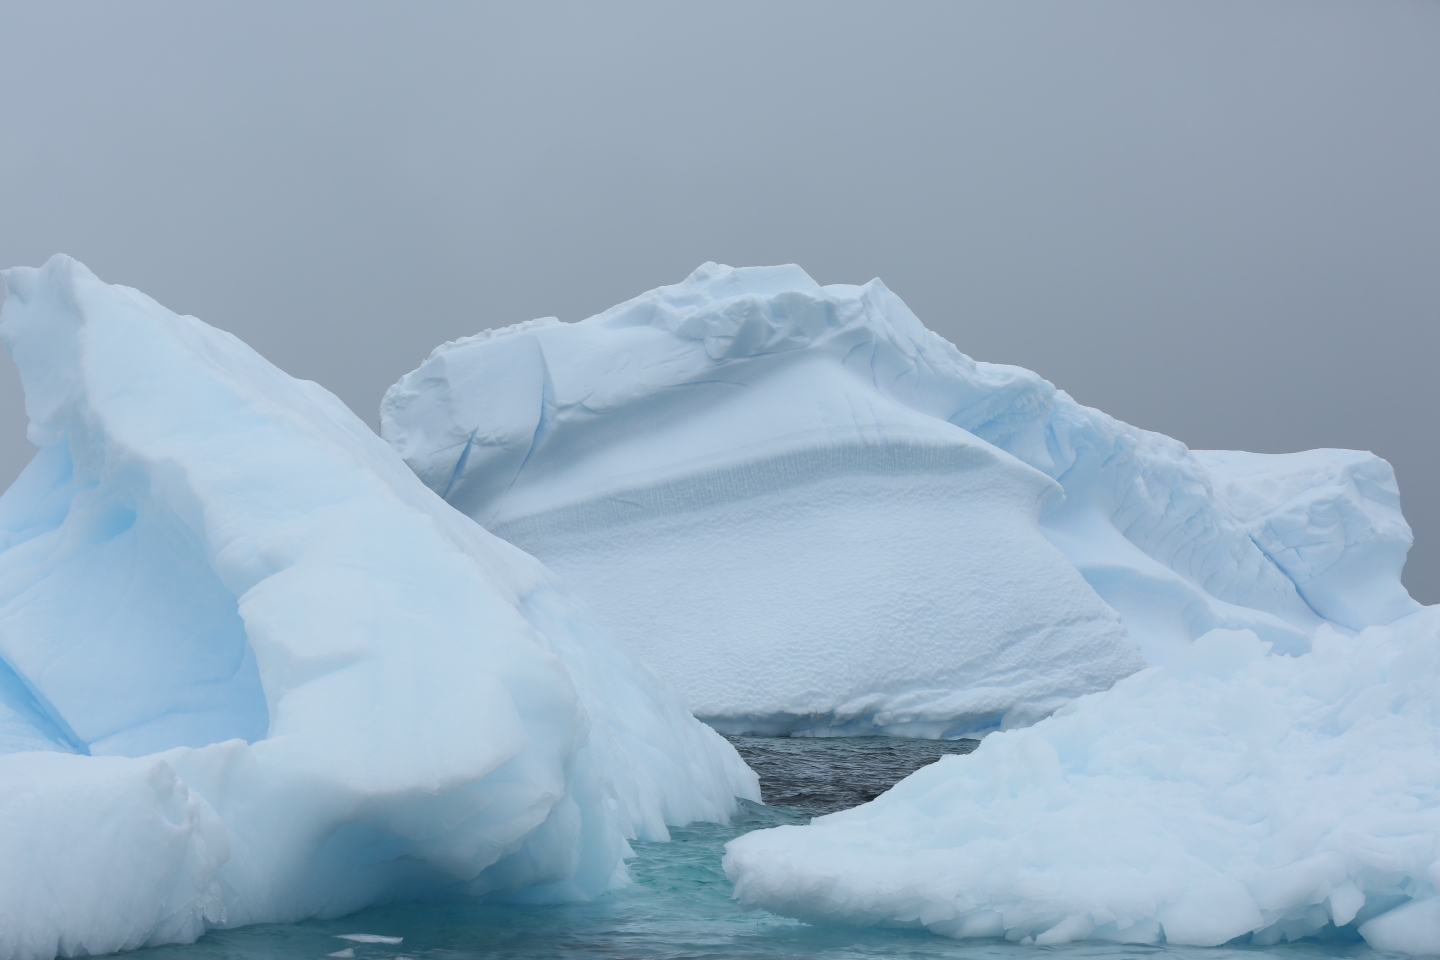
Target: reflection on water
[[680, 906]]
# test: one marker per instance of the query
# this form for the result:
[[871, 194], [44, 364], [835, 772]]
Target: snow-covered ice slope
[[811, 513], [251, 669], [747, 477], [1227, 793]]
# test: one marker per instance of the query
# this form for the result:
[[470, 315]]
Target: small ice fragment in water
[[345, 954], [368, 938]]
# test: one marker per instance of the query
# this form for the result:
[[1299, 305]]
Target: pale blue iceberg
[[251, 669], [813, 515]]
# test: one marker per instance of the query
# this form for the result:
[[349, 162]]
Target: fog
[[1216, 220]]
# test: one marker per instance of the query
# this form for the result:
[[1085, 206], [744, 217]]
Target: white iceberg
[[733, 473], [813, 515], [251, 669], [1229, 794]]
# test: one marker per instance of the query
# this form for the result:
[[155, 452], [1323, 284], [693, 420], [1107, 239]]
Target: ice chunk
[[812, 514], [318, 685], [1413, 928], [368, 938], [1228, 793]]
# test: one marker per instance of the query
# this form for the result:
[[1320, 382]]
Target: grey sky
[[1217, 220]]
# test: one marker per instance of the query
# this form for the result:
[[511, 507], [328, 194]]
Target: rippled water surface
[[680, 905]]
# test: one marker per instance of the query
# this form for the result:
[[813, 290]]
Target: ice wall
[[812, 514], [251, 665], [1229, 794]]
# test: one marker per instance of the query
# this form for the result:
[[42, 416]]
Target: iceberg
[[735, 474], [251, 669], [1231, 793], [813, 515]]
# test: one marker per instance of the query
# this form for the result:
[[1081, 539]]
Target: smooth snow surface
[[814, 515], [1228, 793], [251, 669]]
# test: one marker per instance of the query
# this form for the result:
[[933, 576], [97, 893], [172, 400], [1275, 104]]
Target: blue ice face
[[113, 624]]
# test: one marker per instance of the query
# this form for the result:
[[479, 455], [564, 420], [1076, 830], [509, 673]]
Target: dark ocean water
[[680, 905]]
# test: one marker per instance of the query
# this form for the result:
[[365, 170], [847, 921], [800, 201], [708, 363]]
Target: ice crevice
[[460, 463]]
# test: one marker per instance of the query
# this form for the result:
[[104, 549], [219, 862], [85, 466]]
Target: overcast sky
[[1216, 220]]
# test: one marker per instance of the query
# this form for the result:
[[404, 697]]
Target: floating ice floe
[[251, 669], [1231, 793], [813, 515]]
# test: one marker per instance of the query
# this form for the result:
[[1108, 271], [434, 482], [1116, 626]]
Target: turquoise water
[[680, 906]]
